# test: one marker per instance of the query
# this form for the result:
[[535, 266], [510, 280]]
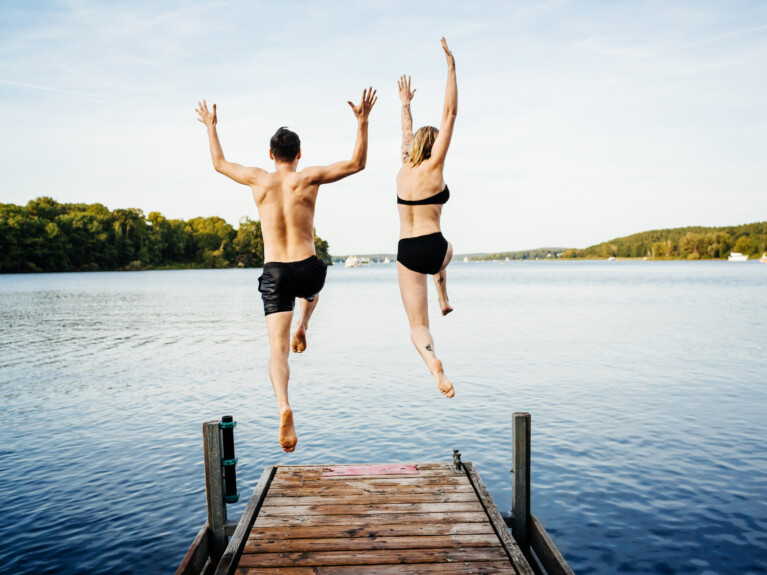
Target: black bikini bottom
[[423, 254], [282, 282]]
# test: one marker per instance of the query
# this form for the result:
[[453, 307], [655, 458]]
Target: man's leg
[[298, 345], [278, 326]]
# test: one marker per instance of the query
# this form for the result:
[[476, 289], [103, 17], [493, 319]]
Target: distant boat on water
[[763, 259], [466, 259], [357, 261], [737, 257], [387, 261], [611, 259]]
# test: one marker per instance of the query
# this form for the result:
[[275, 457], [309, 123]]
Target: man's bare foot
[[443, 383], [298, 345], [445, 306], [288, 437]]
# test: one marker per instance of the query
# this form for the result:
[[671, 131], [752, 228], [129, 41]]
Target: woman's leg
[[440, 280], [412, 287]]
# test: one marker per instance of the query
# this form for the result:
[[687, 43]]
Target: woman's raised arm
[[405, 95], [442, 143]]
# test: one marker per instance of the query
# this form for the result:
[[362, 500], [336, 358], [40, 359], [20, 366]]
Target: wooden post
[[214, 489], [520, 503]]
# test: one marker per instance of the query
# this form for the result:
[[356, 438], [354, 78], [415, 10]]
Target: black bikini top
[[438, 198]]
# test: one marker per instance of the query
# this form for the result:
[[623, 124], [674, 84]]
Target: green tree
[[249, 244], [743, 245], [322, 249]]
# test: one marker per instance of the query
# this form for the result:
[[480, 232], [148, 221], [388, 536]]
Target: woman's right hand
[[405, 95], [448, 54]]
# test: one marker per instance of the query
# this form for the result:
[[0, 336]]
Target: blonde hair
[[423, 140]]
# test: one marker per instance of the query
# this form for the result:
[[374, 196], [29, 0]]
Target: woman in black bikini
[[421, 193]]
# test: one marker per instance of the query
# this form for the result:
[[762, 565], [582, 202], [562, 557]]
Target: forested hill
[[46, 236], [682, 243]]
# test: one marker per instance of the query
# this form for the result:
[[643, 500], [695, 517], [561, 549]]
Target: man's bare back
[[286, 200]]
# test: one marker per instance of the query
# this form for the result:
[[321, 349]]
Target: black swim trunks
[[423, 254], [282, 282]]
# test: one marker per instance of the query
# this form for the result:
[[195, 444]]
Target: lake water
[[647, 384]]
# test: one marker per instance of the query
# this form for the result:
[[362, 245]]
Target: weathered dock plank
[[279, 545], [373, 482], [367, 499], [372, 557], [365, 520], [511, 547], [461, 568], [228, 561], [370, 509], [374, 529]]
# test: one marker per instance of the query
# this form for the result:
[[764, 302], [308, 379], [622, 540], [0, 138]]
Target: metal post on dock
[[214, 488], [229, 461], [520, 503]]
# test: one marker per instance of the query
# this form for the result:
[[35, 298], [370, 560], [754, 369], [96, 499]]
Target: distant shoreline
[[392, 261]]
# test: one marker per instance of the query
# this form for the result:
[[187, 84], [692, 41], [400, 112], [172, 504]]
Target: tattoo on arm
[[407, 132], [428, 347], [441, 279]]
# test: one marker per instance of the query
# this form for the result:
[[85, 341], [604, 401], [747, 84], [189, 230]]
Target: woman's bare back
[[414, 184]]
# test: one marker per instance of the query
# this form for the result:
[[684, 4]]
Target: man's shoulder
[[308, 176]]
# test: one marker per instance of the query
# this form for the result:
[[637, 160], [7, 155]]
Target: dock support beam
[[520, 503], [214, 489]]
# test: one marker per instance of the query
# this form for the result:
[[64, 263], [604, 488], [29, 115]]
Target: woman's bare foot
[[445, 306], [443, 383], [298, 345], [288, 439]]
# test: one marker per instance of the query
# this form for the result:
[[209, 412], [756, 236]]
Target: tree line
[[540, 253], [692, 243], [48, 236]]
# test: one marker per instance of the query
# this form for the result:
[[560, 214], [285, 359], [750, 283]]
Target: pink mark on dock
[[383, 469]]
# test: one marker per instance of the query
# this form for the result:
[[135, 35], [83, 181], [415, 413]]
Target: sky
[[578, 121]]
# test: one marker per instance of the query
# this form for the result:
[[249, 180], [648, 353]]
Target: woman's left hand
[[405, 95]]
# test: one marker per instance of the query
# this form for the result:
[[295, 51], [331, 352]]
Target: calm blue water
[[647, 384]]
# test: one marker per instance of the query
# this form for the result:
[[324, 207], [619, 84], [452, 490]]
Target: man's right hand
[[362, 111], [206, 116]]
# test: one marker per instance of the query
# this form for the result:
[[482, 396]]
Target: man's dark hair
[[285, 145]]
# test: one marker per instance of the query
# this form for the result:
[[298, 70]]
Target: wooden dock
[[424, 518], [390, 518]]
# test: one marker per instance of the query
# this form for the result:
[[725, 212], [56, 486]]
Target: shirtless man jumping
[[285, 199]]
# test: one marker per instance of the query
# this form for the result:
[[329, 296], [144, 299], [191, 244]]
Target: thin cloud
[[48, 89], [601, 46], [708, 40]]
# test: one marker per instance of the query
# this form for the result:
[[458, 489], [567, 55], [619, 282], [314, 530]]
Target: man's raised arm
[[339, 170], [240, 174]]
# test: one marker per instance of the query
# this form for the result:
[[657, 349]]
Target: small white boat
[[611, 259], [763, 259], [737, 257], [466, 259], [357, 261]]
